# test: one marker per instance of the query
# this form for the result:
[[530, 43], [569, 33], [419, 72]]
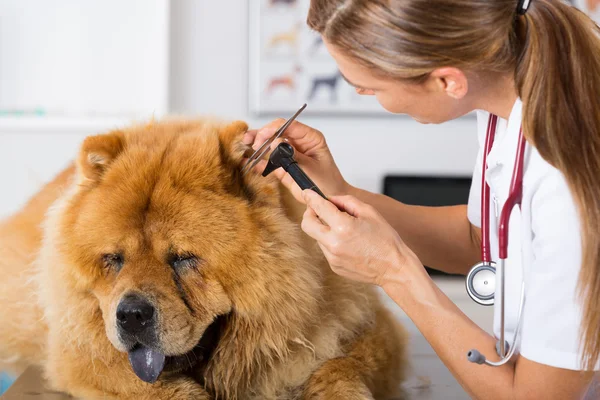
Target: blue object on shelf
[[5, 382]]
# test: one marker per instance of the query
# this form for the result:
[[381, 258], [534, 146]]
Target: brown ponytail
[[558, 79], [554, 51]]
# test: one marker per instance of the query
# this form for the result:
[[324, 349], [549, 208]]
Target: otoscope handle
[[302, 179], [283, 156]]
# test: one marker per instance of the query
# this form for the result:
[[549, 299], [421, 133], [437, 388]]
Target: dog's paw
[[178, 389]]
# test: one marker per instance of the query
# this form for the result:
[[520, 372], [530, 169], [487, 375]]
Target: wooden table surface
[[430, 380]]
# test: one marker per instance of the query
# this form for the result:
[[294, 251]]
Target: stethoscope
[[481, 280]]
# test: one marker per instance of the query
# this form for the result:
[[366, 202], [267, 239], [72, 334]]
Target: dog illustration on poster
[[278, 29], [326, 82], [287, 81], [289, 38]]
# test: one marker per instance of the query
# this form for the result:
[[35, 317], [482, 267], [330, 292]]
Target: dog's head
[[173, 242]]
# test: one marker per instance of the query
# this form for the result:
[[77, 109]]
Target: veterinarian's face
[[436, 100]]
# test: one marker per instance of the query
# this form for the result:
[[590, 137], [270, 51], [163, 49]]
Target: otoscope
[[283, 156]]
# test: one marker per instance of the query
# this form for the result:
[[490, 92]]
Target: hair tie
[[523, 6]]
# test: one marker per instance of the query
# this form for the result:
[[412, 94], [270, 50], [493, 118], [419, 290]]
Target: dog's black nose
[[134, 314]]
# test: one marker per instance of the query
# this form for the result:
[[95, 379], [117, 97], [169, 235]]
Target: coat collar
[[500, 161]]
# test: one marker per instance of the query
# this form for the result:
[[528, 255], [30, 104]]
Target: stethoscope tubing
[[486, 256], [512, 349], [514, 199]]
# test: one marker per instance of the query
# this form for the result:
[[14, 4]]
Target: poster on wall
[[290, 66]]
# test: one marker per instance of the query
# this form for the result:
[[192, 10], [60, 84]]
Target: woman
[[532, 64]]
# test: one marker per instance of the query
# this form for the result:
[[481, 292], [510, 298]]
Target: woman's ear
[[97, 153], [452, 81]]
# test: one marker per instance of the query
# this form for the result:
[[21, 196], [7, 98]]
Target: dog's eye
[[179, 261], [113, 261]]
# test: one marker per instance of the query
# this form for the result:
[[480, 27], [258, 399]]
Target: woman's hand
[[311, 153], [357, 241]]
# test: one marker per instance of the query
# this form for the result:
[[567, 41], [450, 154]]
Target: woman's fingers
[[286, 179], [324, 209], [304, 138], [363, 248], [312, 225], [266, 132], [349, 204], [311, 153], [249, 137]]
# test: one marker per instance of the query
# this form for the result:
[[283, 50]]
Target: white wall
[[97, 47], [73, 68], [208, 75]]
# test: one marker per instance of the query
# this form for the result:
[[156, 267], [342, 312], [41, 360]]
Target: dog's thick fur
[[290, 327]]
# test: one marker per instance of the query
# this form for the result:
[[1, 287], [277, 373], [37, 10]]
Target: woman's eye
[[179, 261], [113, 261]]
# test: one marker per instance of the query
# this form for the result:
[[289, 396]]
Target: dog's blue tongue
[[146, 363]]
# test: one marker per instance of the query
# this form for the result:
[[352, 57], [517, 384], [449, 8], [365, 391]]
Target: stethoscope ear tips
[[476, 357]]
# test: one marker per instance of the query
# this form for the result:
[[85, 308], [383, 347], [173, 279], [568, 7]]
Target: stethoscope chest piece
[[481, 283]]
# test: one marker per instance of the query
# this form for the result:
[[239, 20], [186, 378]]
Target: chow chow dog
[[152, 269]]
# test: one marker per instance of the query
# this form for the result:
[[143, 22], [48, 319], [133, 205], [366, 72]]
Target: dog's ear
[[98, 152], [233, 151], [230, 141]]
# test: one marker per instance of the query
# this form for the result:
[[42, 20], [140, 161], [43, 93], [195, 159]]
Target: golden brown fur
[[156, 195]]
